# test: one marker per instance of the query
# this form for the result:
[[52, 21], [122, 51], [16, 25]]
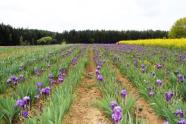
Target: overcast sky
[[60, 15]]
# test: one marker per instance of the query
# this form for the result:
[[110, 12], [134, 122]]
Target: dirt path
[[142, 108], [82, 110]]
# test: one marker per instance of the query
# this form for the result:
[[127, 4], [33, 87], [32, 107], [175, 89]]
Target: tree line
[[19, 36]]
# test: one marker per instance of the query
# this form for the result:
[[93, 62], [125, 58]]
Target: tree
[[44, 40], [178, 30]]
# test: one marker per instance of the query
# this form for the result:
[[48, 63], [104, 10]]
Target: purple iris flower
[[50, 76], [168, 96], [116, 114], [74, 60], [180, 77], [60, 74], [20, 103], [143, 70], [52, 81], [113, 104], [158, 82], [60, 78], [123, 93], [9, 81], [179, 113], [99, 77], [45, 91], [39, 84], [42, 91], [142, 66], [97, 72], [158, 66], [14, 78], [151, 93], [165, 122], [181, 121], [26, 99], [24, 114], [98, 67], [15, 83]]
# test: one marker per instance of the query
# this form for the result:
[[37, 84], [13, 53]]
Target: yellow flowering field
[[178, 43]]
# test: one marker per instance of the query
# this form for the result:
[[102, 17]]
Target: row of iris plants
[[61, 98], [115, 103]]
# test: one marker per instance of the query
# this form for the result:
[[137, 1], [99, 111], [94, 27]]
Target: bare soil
[[82, 110]]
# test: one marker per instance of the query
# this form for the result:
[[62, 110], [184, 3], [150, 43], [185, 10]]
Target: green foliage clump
[[44, 40], [178, 30]]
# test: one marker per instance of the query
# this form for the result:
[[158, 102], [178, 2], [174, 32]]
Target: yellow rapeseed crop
[[171, 43]]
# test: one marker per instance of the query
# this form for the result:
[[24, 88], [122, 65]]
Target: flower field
[[170, 43], [134, 83]]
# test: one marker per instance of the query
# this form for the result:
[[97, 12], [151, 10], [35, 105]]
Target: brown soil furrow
[[142, 108], [82, 110]]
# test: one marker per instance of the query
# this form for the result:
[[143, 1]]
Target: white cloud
[[59, 15]]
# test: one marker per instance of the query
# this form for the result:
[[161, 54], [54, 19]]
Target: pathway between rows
[[82, 110]]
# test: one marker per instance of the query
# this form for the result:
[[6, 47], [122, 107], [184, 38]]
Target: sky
[[60, 15]]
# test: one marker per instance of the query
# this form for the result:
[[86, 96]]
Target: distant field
[[19, 51], [172, 43]]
